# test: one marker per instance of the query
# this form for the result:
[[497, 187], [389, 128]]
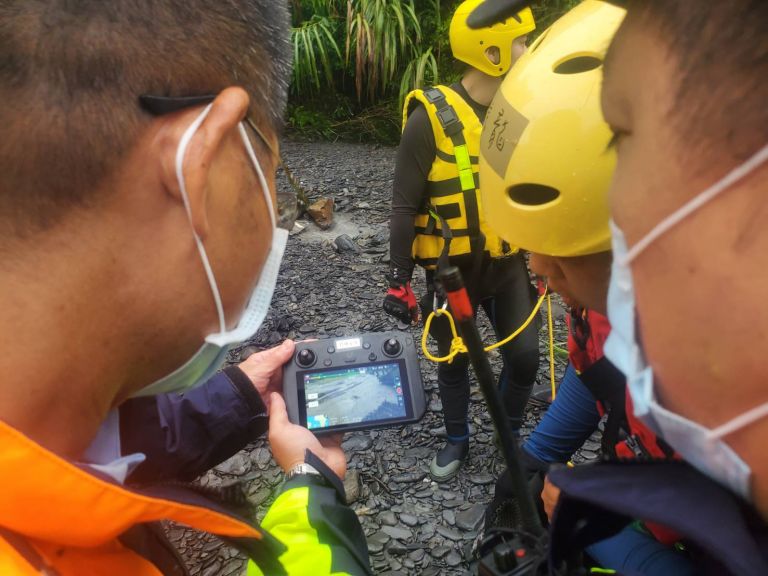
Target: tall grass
[[381, 36], [315, 53]]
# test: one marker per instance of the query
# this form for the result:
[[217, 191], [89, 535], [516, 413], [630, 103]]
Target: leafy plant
[[314, 46], [421, 71], [355, 60], [381, 34]]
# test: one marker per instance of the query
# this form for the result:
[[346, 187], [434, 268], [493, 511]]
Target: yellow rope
[[551, 347], [458, 346]]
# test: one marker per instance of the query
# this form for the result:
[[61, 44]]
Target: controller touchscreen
[[360, 394]]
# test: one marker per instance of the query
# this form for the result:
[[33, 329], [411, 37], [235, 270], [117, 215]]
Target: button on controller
[[306, 358], [392, 347]]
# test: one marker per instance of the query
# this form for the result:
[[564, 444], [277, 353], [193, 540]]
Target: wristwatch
[[300, 470]]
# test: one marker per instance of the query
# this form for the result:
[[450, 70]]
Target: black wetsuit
[[502, 286]]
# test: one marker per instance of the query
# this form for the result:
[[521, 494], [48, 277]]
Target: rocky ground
[[331, 288]]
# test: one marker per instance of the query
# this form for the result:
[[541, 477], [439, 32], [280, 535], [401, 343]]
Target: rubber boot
[[448, 460]]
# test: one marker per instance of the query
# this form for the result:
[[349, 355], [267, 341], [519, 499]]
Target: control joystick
[[392, 347], [306, 358]]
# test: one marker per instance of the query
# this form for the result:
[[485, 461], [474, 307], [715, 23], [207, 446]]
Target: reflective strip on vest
[[466, 176]]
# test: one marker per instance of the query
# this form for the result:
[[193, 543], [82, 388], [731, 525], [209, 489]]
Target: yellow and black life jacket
[[450, 222]]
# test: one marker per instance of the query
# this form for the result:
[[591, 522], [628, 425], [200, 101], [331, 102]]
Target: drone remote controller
[[354, 383]]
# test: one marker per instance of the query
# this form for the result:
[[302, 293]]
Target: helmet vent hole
[[533, 194], [578, 65]]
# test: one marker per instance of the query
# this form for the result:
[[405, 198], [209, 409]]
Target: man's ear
[[227, 110]]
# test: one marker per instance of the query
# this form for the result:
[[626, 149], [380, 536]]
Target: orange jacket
[[57, 518]]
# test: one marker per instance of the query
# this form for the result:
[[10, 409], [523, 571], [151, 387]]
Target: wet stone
[[397, 548], [261, 457], [238, 465], [376, 542], [440, 551], [406, 463], [259, 496], [409, 520], [418, 452], [232, 567], [213, 570], [416, 555], [471, 518], [450, 533], [482, 478], [410, 477], [388, 518], [427, 531], [449, 517], [399, 532], [436, 406], [345, 244], [591, 445], [453, 558], [352, 486]]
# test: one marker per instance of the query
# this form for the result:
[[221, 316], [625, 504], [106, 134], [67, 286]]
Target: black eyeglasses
[[287, 202]]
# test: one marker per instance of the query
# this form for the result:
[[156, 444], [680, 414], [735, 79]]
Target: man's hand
[[550, 494], [265, 369], [289, 441], [400, 302]]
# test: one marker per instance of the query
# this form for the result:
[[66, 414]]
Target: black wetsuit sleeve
[[415, 157]]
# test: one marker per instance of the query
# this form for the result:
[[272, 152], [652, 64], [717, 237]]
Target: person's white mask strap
[[213, 352]]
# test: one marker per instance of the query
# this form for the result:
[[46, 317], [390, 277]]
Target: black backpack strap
[[608, 385], [454, 129]]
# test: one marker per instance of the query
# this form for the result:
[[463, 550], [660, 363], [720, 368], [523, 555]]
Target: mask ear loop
[[259, 173], [686, 210], [739, 422], [180, 153]]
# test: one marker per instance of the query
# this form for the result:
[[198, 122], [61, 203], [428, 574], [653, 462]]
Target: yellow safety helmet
[[544, 164], [469, 46]]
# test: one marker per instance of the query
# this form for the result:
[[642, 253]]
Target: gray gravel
[[329, 287]]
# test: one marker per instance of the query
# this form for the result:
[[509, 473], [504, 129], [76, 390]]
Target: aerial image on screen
[[353, 395]]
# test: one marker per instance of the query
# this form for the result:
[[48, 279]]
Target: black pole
[[461, 309]]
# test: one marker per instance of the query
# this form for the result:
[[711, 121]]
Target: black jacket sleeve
[[184, 435], [415, 157]]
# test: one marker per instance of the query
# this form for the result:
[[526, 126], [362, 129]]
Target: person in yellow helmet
[[554, 172], [684, 200], [437, 218]]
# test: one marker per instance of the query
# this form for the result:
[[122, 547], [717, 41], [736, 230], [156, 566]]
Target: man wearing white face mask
[[139, 238], [688, 201], [688, 198]]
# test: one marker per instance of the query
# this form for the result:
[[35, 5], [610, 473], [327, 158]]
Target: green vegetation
[[355, 60]]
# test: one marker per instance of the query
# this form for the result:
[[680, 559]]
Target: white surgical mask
[[702, 447], [211, 355]]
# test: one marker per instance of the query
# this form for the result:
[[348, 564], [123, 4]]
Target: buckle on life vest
[[449, 121], [433, 95]]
